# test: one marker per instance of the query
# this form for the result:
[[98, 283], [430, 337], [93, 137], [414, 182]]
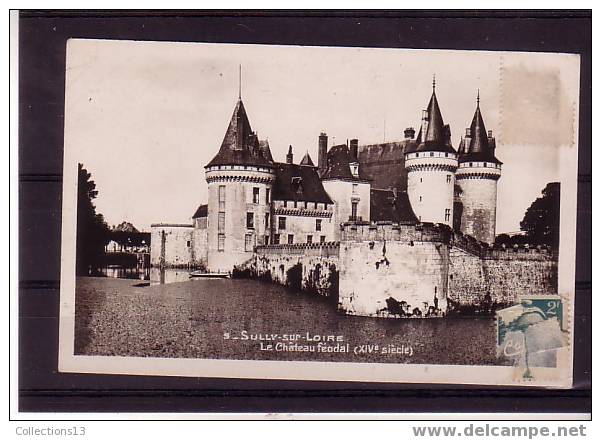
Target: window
[[354, 211], [471, 164], [266, 220], [248, 242], [315, 205], [266, 240], [222, 197], [250, 220], [306, 204], [282, 223], [420, 198], [322, 239], [256, 196], [295, 204], [188, 243], [221, 222], [355, 188], [220, 242], [290, 238], [421, 180], [431, 154], [446, 155], [309, 239], [447, 215], [448, 178], [267, 191], [318, 224], [276, 239]]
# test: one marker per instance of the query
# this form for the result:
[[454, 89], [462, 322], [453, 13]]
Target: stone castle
[[399, 228]]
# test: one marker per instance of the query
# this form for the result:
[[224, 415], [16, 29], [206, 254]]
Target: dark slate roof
[[385, 206], [265, 150], [481, 148], [339, 158], [298, 182], [240, 144], [384, 164], [202, 211], [306, 160], [438, 135]]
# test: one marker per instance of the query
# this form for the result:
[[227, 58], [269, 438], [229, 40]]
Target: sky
[[146, 117]]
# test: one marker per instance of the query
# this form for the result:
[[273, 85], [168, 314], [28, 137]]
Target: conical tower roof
[[480, 148], [438, 135], [240, 145]]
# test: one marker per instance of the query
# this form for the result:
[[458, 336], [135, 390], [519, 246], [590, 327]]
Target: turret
[[431, 168], [240, 179], [477, 176]]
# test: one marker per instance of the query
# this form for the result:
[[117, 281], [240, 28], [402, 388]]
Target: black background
[[42, 40]]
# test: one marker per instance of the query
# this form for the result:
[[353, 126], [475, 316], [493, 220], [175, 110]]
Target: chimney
[[354, 148], [322, 154], [409, 133], [289, 156]]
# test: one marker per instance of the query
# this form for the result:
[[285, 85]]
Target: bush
[[294, 277]]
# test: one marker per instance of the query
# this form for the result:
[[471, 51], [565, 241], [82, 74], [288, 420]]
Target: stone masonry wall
[[391, 270], [500, 274], [393, 278], [308, 267]]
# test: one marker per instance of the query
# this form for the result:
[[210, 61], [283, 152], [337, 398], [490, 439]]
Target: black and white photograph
[[327, 213]]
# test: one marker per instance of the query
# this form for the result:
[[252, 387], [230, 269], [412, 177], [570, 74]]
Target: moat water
[[153, 274], [170, 315]]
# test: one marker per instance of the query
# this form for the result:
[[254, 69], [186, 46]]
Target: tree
[[92, 230], [541, 220], [125, 227]]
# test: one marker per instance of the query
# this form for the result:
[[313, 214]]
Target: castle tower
[[431, 168], [477, 176], [240, 179]]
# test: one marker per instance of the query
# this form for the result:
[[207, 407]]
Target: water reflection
[[155, 275], [167, 276], [135, 273]]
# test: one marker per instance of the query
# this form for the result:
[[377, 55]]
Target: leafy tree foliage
[[92, 230], [541, 221]]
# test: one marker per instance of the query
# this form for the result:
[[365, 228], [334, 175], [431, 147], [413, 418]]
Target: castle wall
[[171, 245], [500, 275], [199, 247], [413, 274], [509, 274], [311, 268], [467, 284], [344, 193]]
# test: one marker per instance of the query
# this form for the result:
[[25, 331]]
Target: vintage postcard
[[319, 213]]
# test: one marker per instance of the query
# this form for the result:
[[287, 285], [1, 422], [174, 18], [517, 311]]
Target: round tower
[[431, 167], [477, 176], [240, 179]]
